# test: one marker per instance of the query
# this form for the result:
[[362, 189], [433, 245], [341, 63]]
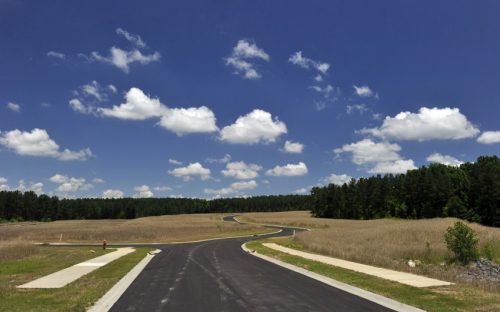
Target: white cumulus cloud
[[14, 107], [393, 167], [143, 191], [37, 188], [241, 170], [193, 169], [363, 91], [257, 126], [58, 178], [112, 194], [444, 159], [137, 106], [83, 154], [367, 151], [428, 124], [337, 179], [489, 137], [289, 170], [189, 120], [240, 59], [383, 156], [70, 184], [293, 147], [233, 189], [38, 143]]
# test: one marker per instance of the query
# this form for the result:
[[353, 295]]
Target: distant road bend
[[219, 276]]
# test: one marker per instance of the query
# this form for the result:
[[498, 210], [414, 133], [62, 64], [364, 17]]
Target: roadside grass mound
[[160, 229], [76, 296], [388, 243], [454, 298]]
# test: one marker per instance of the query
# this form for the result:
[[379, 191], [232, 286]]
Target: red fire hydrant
[[104, 244]]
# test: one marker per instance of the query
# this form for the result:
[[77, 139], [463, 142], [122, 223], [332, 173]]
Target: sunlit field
[[386, 243], [142, 230]]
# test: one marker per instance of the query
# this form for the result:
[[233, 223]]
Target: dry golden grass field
[[388, 243], [160, 229]]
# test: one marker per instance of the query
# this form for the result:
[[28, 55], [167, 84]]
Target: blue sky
[[234, 98]]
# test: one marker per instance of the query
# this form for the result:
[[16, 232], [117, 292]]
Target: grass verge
[[439, 299], [76, 296], [391, 243]]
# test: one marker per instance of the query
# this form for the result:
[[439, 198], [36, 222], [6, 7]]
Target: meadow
[[161, 229], [388, 243], [21, 260]]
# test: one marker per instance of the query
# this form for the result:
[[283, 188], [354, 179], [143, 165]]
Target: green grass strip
[[76, 296]]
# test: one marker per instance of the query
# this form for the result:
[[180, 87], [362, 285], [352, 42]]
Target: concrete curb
[[378, 299], [109, 299]]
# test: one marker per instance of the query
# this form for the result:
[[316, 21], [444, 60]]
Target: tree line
[[15, 205], [470, 191]]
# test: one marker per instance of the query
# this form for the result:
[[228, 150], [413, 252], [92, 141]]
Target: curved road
[[219, 276]]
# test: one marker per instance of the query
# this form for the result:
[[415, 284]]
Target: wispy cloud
[[241, 59], [360, 108], [57, 55], [174, 161], [122, 58], [223, 160], [132, 38], [298, 59]]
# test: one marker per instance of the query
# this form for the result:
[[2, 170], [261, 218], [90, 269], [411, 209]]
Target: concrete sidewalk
[[400, 277], [62, 278]]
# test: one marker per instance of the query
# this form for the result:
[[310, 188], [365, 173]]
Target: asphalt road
[[219, 276]]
